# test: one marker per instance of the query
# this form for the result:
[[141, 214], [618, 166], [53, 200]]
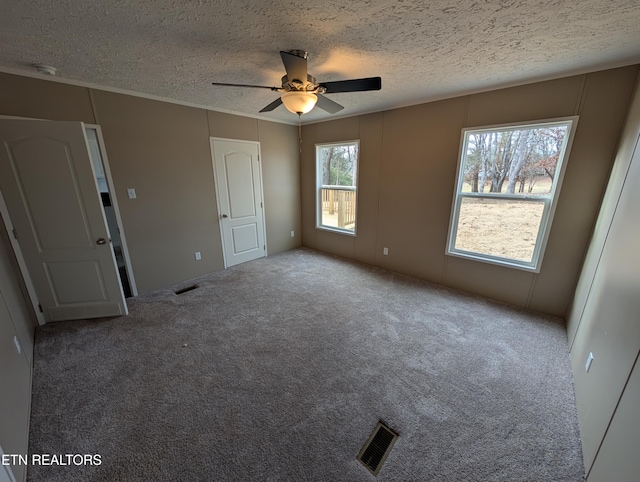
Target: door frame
[[116, 208], [215, 185], [8, 224]]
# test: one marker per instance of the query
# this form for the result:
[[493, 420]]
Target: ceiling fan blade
[[246, 85], [355, 85], [295, 66], [272, 106], [327, 104]]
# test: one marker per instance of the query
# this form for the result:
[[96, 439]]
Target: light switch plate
[[587, 365], [131, 193]]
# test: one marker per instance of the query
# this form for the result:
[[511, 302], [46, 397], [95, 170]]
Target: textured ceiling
[[423, 50]]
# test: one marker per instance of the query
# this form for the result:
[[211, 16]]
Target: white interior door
[[239, 193], [49, 187]]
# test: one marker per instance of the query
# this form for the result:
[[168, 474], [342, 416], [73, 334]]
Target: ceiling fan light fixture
[[299, 102]]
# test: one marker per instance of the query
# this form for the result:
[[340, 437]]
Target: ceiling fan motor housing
[[299, 53], [295, 85]]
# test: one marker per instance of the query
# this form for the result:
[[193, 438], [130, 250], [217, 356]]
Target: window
[[508, 182], [336, 182]]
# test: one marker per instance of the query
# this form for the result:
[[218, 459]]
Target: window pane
[[499, 227], [339, 208], [513, 161], [506, 191], [337, 166]]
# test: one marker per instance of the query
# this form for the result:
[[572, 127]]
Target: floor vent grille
[[185, 289], [375, 450]]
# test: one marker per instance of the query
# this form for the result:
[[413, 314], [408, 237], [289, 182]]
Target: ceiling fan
[[300, 92]]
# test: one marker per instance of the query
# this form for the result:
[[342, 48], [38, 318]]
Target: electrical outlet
[[385, 251], [587, 365], [15, 340], [198, 256], [293, 234], [131, 193]]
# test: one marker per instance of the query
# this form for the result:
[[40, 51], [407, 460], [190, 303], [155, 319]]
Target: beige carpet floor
[[278, 369]]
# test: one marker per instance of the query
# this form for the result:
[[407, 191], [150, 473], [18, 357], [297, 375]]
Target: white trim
[[213, 166], [318, 195], [262, 203], [331, 229], [15, 117], [116, 208], [215, 188], [33, 297], [550, 201], [117, 90], [425, 100]]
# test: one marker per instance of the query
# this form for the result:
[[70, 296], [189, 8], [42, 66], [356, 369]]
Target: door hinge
[[15, 233], [40, 308], [264, 247], [261, 205]]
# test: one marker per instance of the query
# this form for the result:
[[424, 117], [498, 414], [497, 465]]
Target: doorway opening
[[53, 208], [110, 211]]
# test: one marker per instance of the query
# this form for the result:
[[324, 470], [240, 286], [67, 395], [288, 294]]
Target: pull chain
[[300, 131]]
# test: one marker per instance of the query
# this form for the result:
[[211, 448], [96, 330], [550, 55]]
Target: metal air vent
[[185, 289], [375, 450]]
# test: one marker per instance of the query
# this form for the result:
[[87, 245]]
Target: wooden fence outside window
[[340, 200]]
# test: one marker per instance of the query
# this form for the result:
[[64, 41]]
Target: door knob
[[101, 241], [225, 216]]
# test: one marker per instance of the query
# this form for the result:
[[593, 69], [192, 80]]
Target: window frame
[[550, 200], [319, 185]]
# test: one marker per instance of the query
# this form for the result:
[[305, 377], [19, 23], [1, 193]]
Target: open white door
[[49, 187], [238, 180]]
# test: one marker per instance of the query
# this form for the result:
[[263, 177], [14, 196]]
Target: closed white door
[[49, 187], [239, 194]]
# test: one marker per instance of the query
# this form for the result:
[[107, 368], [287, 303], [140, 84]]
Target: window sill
[[336, 230], [504, 262]]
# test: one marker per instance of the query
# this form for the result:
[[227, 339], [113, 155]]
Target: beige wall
[[162, 150], [16, 323], [407, 173], [281, 173], [27, 97], [604, 321], [618, 455]]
